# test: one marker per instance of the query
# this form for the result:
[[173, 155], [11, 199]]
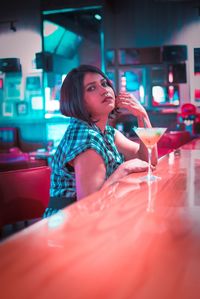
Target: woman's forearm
[[115, 176], [131, 166]]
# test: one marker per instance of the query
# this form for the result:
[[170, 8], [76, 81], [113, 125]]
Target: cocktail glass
[[149, 137]]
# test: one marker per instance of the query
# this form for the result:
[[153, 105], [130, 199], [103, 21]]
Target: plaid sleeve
[[82, 139]]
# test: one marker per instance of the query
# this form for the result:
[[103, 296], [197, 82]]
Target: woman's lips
[[108, 98]]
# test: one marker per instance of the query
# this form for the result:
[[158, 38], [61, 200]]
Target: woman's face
[[99, 97]]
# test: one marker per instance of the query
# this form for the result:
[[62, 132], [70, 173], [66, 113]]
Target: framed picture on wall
[[22, 108], [128, 56], [13, 87], [133, 80], [110, 57], [33, 82], [197, 61], [7, 109]]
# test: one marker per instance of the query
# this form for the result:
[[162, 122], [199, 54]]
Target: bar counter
[[132, 240]]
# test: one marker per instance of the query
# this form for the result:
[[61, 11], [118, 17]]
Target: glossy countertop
[[132, 240]]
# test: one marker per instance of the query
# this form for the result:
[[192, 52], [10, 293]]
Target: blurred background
[[149, 48]]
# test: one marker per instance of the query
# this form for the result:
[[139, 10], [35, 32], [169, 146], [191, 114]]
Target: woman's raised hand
[[129, 102]]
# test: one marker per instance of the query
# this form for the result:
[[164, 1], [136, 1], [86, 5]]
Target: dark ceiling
[[82, 23]]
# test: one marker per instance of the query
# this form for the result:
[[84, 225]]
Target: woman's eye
[[91, 88], [104, 83]]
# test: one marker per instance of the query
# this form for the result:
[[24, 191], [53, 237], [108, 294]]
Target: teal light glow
[[132, 81], [47, 92], [102, 44], [55, 131], [59, 40], [52, 105], [63, 77], [142, 94], [97, 16], [37, 103]]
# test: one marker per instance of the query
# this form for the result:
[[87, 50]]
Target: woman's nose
[[103, 89]]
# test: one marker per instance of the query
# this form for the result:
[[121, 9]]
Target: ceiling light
[[97, 17]]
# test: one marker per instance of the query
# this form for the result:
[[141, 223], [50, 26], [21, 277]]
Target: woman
[[92, 154]]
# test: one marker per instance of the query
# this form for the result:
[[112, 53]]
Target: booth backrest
[[15, 159], [178, 138], [172, 140], [24, 194]]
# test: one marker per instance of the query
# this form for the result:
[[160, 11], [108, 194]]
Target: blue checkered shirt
[[79, 137]]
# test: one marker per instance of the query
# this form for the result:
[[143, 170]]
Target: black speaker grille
[[9, 65], [175, 53]]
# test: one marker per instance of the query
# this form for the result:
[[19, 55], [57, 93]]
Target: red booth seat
[[177, 138], [24, 194], [172, 140], [15, 159]]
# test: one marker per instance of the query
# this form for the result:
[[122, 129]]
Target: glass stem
[[149, 163]]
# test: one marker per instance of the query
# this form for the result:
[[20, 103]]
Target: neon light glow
[[49, 28], [1, 83], [37, 103], [165, 95], [97, 16], [63, 77], [197, 94], [52, 105], [59, 40], [159, 95], [171, 92], [142, 93], [170, 77], [55, 131], [102, 44], [123, 83], [47, 94]]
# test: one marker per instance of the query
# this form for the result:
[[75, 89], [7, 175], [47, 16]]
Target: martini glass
[[149, 137]]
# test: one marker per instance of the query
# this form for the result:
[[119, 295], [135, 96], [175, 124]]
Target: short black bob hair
[[72, 90]]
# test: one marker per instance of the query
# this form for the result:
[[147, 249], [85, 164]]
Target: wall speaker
[[176, 53], [196, 60], [44, 61], [10, 65], [179, 72]]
